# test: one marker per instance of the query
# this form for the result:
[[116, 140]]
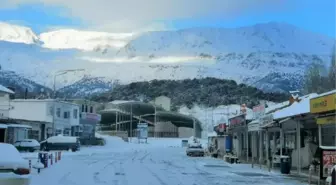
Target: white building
[[4, 110], [40, 115]]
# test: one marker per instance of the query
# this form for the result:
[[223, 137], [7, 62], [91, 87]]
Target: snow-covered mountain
[[271, 56], [87, 86], [18, 34], [20, 84]]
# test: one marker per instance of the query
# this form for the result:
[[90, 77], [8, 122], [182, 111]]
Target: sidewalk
[[303, 177]]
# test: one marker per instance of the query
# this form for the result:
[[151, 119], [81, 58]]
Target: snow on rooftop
[[296, 108], [5, 89], [326, 93]]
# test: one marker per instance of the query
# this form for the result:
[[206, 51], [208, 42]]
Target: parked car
[[61, 143], [29, 145], [195, 150], [14, 170]]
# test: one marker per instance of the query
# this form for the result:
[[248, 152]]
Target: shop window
[[86, 108], [91, 109], [83, 107], [328, 133]]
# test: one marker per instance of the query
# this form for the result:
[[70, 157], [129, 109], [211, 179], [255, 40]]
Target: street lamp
[[59, 73]]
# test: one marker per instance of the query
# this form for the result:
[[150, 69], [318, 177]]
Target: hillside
[[20, 84], [208, 91]]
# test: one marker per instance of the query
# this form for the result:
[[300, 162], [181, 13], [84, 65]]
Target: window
[[58, 112], [66, 115], [83, 106], [86, 108], [75, 113], [91, 109], [51, 110]]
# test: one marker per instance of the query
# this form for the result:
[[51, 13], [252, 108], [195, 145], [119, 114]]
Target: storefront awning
[[3, 125], [254, 126]]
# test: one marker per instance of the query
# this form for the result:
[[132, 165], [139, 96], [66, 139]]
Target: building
[[88, 118], [4, 111], [40, 115]]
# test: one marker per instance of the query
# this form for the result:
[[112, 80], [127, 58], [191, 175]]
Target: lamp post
[[58, 73]]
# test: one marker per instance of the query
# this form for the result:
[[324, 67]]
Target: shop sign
[[326, 120], [237, 121], [329, 160], [266, 119], [91, 116], [258, 111], [323, 104]]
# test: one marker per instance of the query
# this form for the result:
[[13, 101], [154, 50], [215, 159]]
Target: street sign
[[142, 131]]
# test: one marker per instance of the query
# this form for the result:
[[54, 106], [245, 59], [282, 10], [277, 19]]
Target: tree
[[332, 72], [313, 79]]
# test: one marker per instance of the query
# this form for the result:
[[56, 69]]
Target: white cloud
[[132, 15]]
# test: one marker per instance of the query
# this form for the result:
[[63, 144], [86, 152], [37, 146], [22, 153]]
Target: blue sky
[[314, 15]]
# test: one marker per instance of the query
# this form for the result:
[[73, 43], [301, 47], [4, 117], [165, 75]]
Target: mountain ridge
[[251, 54]]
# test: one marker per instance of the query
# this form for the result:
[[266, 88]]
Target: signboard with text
[[258, 111], [326, 120], [328, 161], [323, 104], [142, 131], [237, 121]]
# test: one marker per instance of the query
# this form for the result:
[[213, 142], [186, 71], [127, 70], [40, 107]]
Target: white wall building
[[41, 114], [4, 110]]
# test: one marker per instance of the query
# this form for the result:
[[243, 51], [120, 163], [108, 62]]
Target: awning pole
[[298, 132], [320, 135]]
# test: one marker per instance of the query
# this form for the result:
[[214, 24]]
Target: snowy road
[[146, 164]]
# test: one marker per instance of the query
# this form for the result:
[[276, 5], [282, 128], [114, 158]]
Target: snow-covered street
[[160, 162]]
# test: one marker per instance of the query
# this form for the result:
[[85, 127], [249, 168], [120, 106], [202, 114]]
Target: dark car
[[61, 143]]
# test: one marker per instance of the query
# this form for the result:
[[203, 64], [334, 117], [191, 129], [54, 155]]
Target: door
[[43, 126], [2, 135]]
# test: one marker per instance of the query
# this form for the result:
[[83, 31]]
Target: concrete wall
[[185, 132], [65, 114], [4, 105], [165, 127]]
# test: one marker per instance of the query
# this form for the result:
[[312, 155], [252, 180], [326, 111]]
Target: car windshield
[[168, 92]]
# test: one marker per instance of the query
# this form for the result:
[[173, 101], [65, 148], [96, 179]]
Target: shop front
[[238, 131], [324, 107]]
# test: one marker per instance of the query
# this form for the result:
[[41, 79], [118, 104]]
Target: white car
[[30, 145], [14, 170], [195, 150]]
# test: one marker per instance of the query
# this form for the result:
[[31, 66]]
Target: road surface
[[146, 164]]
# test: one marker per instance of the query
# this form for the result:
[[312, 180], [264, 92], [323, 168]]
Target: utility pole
[[131, 121]]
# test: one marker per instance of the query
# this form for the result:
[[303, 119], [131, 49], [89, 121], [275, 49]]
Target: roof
[[43, 100], [5, 90], [326, 93], [146, 111], [297, 108]]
